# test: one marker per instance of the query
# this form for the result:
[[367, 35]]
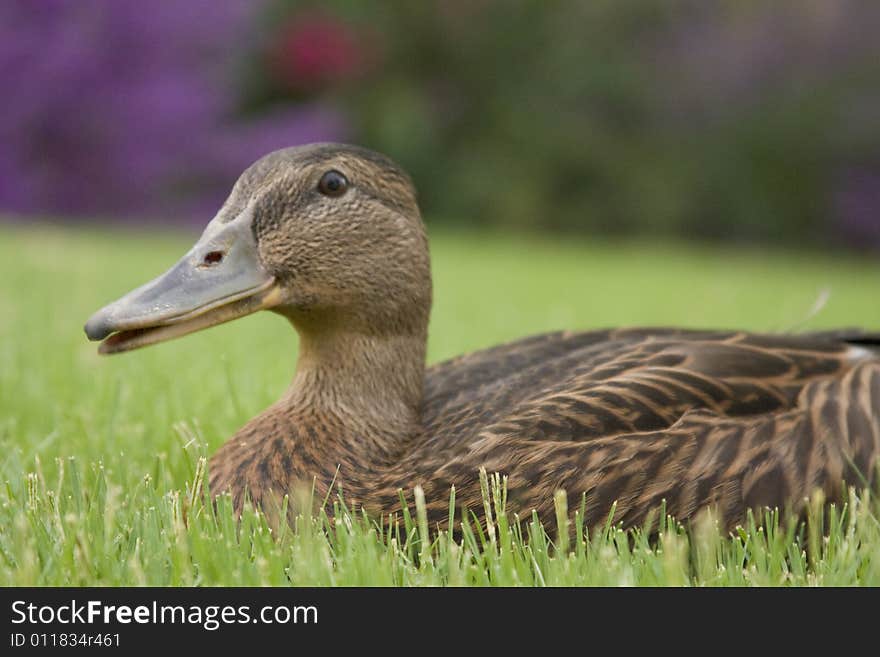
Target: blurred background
[[731, 120]]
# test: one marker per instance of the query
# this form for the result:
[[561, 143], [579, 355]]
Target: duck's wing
[[487, 384], [687, 417], [578, 386]]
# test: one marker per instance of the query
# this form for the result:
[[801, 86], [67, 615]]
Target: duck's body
[[632, 416], [636, 417]]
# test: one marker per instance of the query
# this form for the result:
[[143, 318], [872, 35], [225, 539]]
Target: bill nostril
[[212, 257]]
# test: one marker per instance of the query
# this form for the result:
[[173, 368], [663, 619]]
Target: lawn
[[98, 455]]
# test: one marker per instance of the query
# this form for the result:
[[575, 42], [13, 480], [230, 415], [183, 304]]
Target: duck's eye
[[212, 257], [333, 183]]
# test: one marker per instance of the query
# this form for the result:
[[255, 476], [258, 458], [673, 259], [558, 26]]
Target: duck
[[622, 421]]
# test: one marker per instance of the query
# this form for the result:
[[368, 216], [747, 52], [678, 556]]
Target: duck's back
[[610, 409]]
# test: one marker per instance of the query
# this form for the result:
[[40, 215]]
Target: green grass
[[102, 458]]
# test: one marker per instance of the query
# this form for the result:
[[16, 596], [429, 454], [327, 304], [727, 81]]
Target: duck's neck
[[370, 385]]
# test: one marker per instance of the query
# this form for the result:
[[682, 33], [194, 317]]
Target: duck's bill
[[219, 280]]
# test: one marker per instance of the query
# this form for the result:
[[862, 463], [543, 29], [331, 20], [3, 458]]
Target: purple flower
[[121, 109]]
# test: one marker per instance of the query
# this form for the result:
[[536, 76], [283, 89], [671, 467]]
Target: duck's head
[[327, 234]]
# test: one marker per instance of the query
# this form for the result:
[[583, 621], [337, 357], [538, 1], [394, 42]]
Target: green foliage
[[102, 461]]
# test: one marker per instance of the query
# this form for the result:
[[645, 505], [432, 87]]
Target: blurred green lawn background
[[64, 399], [155, 412]]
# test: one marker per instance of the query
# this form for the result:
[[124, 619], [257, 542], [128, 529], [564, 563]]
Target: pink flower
[[317, 50]]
